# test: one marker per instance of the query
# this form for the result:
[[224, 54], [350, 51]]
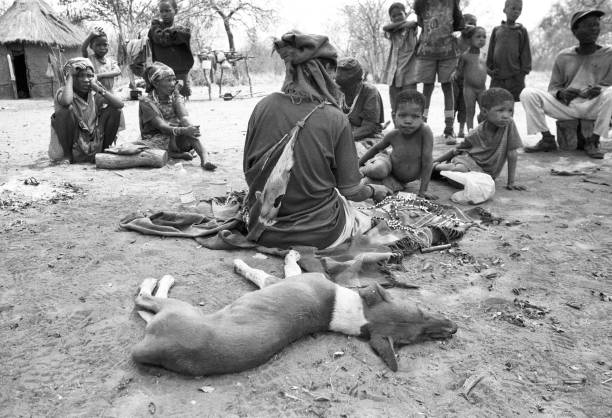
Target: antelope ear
[[384, 348], [374, 294]]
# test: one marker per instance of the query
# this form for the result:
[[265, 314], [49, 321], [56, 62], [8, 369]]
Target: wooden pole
[[246, 66], [12, 74]]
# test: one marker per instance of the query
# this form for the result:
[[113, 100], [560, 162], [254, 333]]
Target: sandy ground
[[68, 276]]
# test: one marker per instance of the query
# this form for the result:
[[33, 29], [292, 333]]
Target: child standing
[[463, 45], [106, 68], [488, 147], [400, 69], [170, 44], [437, 53], [472, 69], [164, 121], [509, 56], [411, 156]]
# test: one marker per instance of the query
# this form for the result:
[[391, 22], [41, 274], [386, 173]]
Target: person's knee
[[606, 94], [528, 93], [64, 113]]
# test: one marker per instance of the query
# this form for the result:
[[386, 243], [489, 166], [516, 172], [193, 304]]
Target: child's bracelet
[[174, 131]]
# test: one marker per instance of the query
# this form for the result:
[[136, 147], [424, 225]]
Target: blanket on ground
[[405, 224]]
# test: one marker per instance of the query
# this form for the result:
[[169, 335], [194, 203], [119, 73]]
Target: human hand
[[567, 95], [97, 31], [518, 187], [592, 92], [380, 192], [428, 196], [96, 85], [193, 130]]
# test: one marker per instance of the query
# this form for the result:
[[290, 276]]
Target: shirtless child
[[411, 156], [472, 69]]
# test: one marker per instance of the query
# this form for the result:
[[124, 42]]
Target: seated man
[[362, 103], [86, 117], [579, 87]]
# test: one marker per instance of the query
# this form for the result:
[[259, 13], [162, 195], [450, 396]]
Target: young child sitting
[[509, 56], [488, 147], [412, 142], [164, 121], [472, 69]]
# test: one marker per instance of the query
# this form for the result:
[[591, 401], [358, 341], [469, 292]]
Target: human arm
[[365, 123], [490, 54], [525, 53], [512, 160], [395, 26], [65, 98], [557, 86], [375, 149], [114, 71], [174, 35], [458, 21], [98, 31], [346, 173], [367, 129], [179, 107], [426, 163], [447, 156], [112, 100]]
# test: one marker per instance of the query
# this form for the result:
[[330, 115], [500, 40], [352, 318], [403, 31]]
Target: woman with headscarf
[[86, 117], [170, 44], [164, 121], [300, 161], [361, 102]]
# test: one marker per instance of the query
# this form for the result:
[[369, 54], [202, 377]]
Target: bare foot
[[209, 166]]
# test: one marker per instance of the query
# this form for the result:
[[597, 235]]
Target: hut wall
[[37, 62], [6, 90]]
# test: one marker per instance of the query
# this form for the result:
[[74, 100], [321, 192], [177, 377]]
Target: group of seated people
[[333, 107]]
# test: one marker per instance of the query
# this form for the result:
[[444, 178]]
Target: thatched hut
[[31, 36]]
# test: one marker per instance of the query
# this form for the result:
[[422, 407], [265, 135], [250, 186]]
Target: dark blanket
[[405, 224]]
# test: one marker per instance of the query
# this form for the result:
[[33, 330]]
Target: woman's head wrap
[[74, 65], [155, 72], [349, 73], [305, 73]]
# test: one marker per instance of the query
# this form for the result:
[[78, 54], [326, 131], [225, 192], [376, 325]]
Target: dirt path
[[68, 276]]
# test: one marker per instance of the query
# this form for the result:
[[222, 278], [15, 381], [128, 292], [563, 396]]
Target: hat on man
[[578, 16]]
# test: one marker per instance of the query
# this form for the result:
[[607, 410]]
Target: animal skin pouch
[[262, 206]]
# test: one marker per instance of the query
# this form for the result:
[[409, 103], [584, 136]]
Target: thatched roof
[[34, 21]]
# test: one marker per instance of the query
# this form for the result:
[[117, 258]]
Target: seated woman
[[361, 102], [86, 117], [300, 161], [164, 121]]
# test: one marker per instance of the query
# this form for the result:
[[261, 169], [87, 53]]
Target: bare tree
[[129, 17], [246, 12], [554, 34], [364, 21]]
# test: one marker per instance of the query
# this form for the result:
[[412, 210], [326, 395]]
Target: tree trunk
[[148, 158], [230, 35]]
